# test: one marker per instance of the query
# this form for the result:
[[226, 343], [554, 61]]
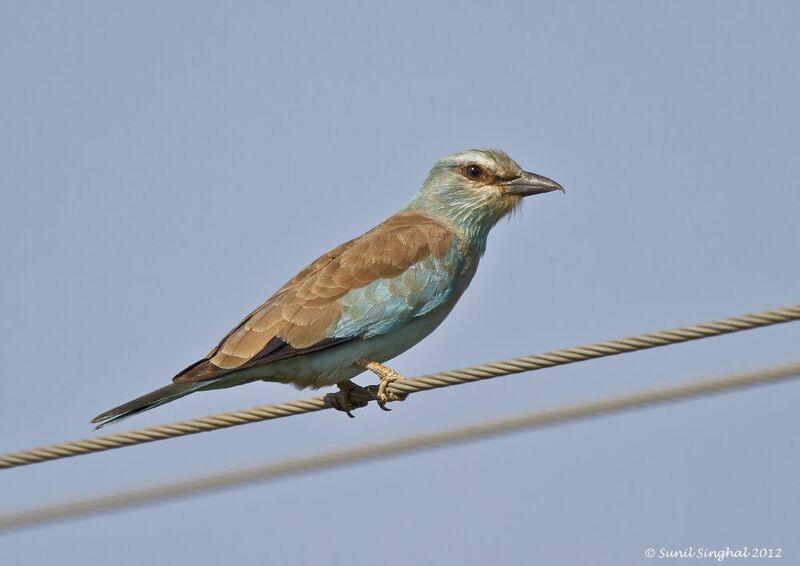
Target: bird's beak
[[530, 184]]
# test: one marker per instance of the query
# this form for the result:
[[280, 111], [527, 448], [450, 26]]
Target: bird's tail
[[149, 401]]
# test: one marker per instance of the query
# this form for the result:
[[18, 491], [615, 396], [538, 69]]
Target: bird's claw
[[343, 401], [384, 396], [387, 375]]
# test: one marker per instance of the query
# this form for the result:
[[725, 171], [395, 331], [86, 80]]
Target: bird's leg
[[344, 402], [387, 375]]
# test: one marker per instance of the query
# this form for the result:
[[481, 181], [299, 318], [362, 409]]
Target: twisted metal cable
[[397, 389], [340, 457]]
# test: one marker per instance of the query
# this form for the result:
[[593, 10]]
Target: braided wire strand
[[275, 470], [399, 388]]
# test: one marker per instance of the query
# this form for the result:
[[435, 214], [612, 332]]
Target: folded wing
[[368, 286]]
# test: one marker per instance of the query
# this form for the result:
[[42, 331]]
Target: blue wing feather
[[386, 304]]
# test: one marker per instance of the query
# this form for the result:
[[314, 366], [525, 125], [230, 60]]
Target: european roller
[[369, 299]]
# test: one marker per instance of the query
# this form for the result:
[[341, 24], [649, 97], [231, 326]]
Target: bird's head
[[473, 189]]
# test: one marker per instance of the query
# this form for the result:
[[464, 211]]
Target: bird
[[369, 299]]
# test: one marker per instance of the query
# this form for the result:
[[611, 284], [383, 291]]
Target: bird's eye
[[473, 172]]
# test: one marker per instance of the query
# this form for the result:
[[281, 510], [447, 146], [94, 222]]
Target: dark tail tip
[[146, 402]]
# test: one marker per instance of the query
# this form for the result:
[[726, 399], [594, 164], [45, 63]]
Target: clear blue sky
[[165, 166]]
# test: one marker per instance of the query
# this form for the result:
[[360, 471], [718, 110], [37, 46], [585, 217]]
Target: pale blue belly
[[338, 364]]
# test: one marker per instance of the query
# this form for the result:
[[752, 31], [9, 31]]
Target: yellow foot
[[344, 401], [387, 375]]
